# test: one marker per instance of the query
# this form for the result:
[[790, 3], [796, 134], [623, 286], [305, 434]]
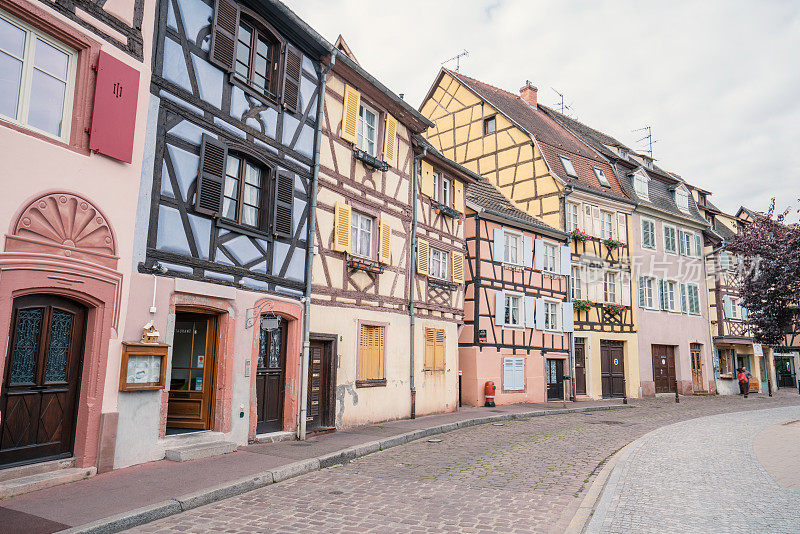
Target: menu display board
[[143, 366]]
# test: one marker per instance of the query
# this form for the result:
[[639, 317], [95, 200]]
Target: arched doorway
[[39, 396]]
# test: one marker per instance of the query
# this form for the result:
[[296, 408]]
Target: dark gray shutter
[[284, 204], [223, 34], [292, 71], [211, 176]]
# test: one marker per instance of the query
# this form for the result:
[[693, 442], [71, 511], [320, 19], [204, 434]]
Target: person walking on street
[[744, 382]]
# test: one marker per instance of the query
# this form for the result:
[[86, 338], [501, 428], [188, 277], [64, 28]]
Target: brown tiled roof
[[552, 138]]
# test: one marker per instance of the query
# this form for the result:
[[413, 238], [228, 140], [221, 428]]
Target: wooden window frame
[[524, 387], [610, 227], [355, 212], [675, 286], [520, 324], [260, 28], [556, 256], [644, 181], [518, 237], [609, 283], [653, 223], [486, 122], [577, 289], [674, 229], [376, 382], [266, 190], [573, 211], [556, 314], [444, 258], [362, 105], [87, 50]]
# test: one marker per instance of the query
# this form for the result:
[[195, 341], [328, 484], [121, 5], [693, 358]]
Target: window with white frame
[[514, 373], [513, 312], [577, 280], [687, 244], [513, 247], [682, 199], [360, 235], [601, 176], [572, 217], [37, 84], [648, 233], [436, 189], [646, 292], [670, 241], [549, 258], [567, 163], [668, 295], [640, 185], [693, 296], [447, 184], [551, 315], [724, 260], [367, 130], [734, 308], [438, 264], [610, 287], [608, 224]]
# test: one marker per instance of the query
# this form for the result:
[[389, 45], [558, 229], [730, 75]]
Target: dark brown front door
[[664, 368], [42, 378], [270, 375], [612, 369], [555, 379], [580, 367], [319, 414], [191, 385]]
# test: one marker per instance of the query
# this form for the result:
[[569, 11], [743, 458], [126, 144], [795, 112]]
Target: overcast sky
[[718, 81]]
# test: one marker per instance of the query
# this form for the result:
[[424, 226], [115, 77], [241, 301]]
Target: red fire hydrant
[[488, 391]]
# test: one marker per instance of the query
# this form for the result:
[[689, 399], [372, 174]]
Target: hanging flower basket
[[582, 305], [612, 243], [581, 236], [615, 309]]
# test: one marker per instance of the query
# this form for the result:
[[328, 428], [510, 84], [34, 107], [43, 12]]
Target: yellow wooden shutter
[[438, 358], [364, 356], [423, 257], [341, 233], [389, 138], [379, 348], [458, 268], [430, 349], [385, 245], [426, 178], [352, 101], [458, 196]]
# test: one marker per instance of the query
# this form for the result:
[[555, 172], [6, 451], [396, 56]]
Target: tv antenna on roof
[[561, 106], [457, 58], [648, 138]]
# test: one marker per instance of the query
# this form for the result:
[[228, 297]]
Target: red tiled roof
[[553, 139]]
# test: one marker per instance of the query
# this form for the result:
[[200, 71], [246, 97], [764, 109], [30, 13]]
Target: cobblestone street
[[523, 476]]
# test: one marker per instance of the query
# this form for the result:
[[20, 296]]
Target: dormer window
[[682, 199], [567, 163], [256, 57], [623, 153], [640, 185], [489, 125], [601, 176]]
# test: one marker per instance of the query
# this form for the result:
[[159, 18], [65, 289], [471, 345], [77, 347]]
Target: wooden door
[[319, 413], [191, 390], [580, 367], [555, 379], [270, 377], [612, 369], [38, 402], [696, 353], [664, 368]]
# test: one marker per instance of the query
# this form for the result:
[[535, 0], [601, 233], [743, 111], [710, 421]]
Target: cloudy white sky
[[718, 81]]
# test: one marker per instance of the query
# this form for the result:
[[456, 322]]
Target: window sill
[[371, 383], [445, 209], [242, 229], [514, 266], [433, 370], [442, 284], [269, 99], [370, 160], [364, 264], [513, 327]]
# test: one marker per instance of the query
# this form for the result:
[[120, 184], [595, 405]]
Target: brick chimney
[[528, 93]]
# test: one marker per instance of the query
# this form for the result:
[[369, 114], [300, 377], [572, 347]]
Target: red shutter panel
[[223, 34], [284, 204], [292, 72], [114, 111], [211, 177]]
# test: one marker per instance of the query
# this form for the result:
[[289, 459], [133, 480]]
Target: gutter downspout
[[570, 335], [412, 278], [312, 223]]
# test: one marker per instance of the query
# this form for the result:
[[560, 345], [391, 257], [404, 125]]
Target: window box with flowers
[[614, 309], [580, 236], [612, 244], [582, 305]]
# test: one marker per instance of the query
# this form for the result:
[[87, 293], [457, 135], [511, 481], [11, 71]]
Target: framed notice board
[[144, 366]]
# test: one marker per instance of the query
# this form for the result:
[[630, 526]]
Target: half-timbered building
[[372, 357], [556, 177], [517, 311], [675, 349], [72, 130], [223, 226]]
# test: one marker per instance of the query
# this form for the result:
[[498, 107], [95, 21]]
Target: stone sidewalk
[[700, 475], [126, 497]]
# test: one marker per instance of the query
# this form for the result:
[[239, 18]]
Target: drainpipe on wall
[[570, 335], [412, 278], [312, 223]]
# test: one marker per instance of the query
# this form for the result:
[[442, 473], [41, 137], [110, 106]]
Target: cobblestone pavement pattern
[[524, 476], [699, 476]]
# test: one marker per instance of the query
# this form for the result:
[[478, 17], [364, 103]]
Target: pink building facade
[[517, 321]]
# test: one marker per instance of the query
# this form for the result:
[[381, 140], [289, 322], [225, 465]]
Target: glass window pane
[[242, 69], [199, 348], [253, 175], [231, 187], [364, 245], [261, 65], [259, 81], [251, 195], [9, 85], [370, 118], [179, 379], [243, 54], [245, 34], [229, 208], [182, 344], [51, 60], [196, 383], [26, 346], [263, 48], [58, 347], [12, 39], [46, 103], [249, 215]]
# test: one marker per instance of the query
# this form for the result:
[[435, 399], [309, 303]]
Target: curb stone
[[153, 512]]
